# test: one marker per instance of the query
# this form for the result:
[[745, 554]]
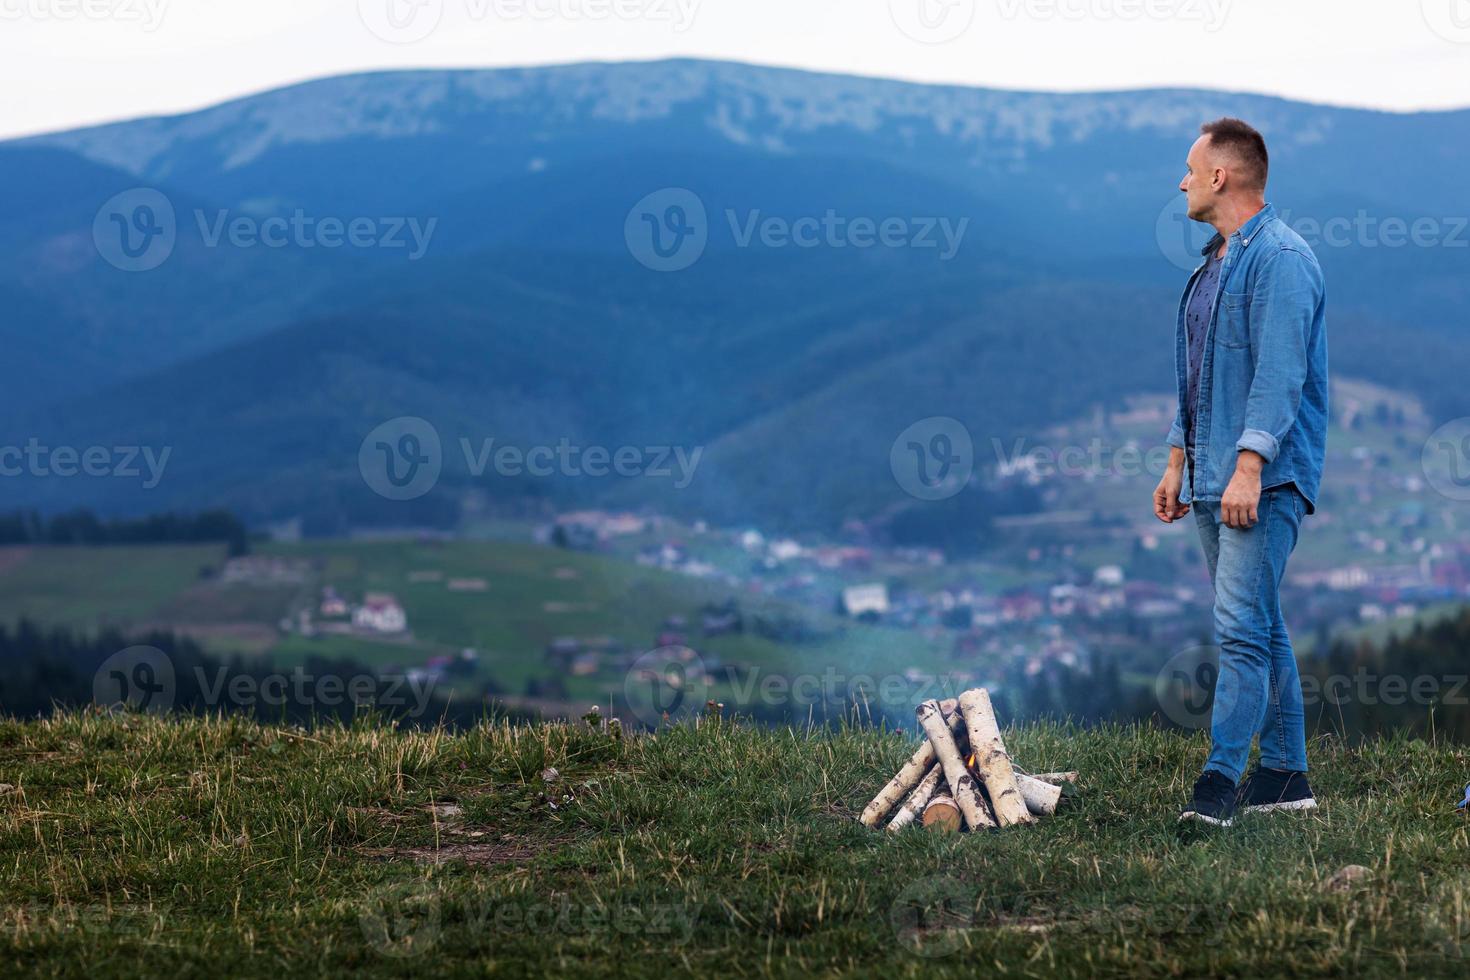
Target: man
[[1247, 444]]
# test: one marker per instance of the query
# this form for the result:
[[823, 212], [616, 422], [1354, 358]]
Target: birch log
[[1057, 778], [991, 760], [918, 799], [942, 814], [908, 777], [1041, 798], [962, 785]]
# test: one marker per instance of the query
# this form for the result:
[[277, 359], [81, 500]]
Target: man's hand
[[1167, 507], [1238, 508]]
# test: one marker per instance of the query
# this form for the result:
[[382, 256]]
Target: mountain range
[[781, 269]]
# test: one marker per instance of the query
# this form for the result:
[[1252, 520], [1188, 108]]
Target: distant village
[[1050, 618], [1060, 586], [786, 568]]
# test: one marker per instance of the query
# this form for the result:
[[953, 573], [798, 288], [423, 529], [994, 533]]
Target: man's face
[[1199, 184]]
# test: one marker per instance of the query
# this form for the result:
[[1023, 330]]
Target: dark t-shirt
[[1197, 323]]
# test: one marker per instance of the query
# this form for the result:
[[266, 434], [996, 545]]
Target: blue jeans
[[1258, 690]]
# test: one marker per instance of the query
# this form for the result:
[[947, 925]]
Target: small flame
[[970, 761]]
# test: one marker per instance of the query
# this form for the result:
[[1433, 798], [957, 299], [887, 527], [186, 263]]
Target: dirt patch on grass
[[480, 855], [1026, 923], [375, 815], [1049, 921]]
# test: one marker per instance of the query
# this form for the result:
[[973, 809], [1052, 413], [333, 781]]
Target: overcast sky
[[65, 63]]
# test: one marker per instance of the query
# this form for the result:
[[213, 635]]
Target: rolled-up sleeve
[[1176, 432], [1284, 299]]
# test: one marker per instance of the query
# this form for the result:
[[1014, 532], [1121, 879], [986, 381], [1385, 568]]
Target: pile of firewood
[[963, 774]]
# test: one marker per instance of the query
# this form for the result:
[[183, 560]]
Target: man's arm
[[1284, 301], [1166, 496], [1176, 431], [1167, 507], [1239, 505], [1287, 292]]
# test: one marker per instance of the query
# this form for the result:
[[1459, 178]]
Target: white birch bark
[[962, 785], [991, 759], [1056, 778], [1041, 798], [908, 777], [918, 799]]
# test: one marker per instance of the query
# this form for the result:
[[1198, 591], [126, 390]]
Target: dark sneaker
[[1266, 790], [1214, 800]]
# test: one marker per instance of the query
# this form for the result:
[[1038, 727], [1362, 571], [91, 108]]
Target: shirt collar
[[1245, 233]]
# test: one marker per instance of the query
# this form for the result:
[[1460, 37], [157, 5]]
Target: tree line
[[50, 668], [1417, 683], [83, 527]]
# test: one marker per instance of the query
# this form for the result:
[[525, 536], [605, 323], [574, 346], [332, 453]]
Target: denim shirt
[[1263, 383]]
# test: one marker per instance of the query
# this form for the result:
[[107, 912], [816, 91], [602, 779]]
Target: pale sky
[[66, 63]]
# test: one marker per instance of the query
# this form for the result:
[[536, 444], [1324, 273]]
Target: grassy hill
[[135, 845], [90, 586]]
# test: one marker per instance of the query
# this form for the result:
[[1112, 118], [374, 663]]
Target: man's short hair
[[1248, 146]]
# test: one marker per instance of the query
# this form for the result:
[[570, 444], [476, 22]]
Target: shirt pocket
[[1233, 328]]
